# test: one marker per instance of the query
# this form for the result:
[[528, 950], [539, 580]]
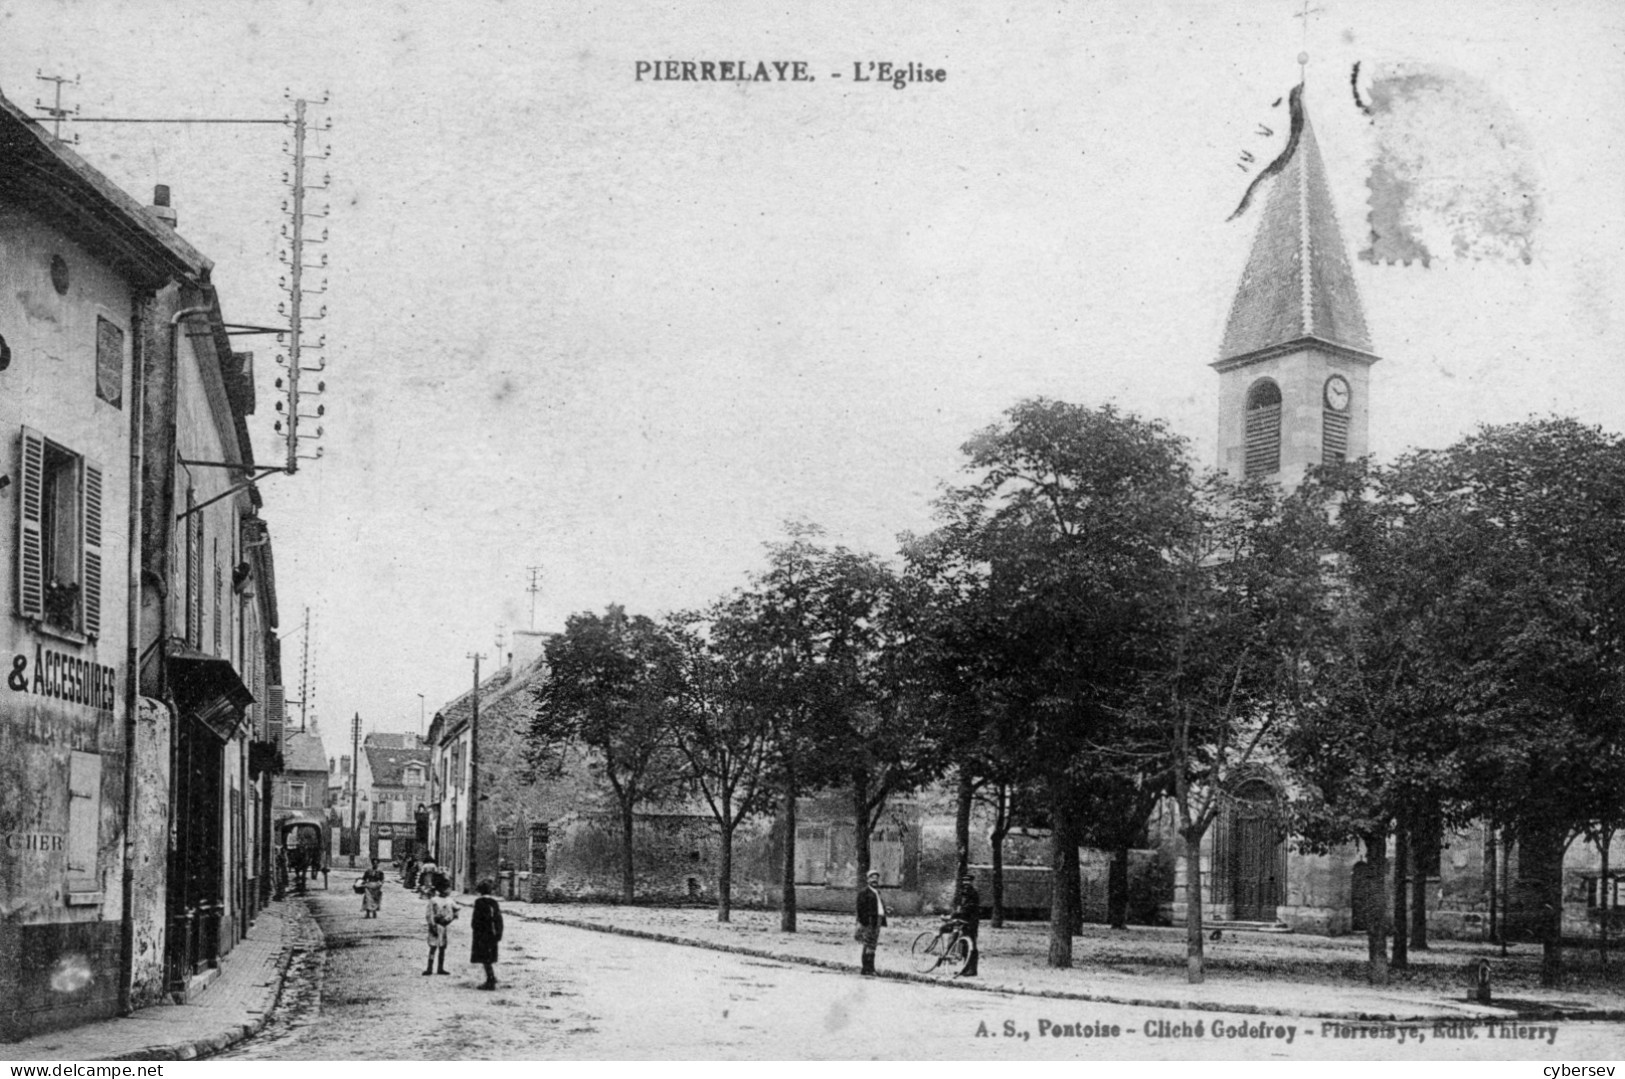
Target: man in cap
[[871, 916], [968, 910]]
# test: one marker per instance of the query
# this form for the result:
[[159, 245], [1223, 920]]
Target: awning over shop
[[208, 690]]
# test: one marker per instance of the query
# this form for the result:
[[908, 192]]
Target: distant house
[[394, 778], [512, 807], [302, 786]]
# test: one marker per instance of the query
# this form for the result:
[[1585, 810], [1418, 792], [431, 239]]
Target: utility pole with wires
[[533, 588], [355, 785], [474, 777], [298, 239], [55, 112], [294, 282], [307, 687]]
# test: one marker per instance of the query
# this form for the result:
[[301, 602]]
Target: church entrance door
[[1257, 849]]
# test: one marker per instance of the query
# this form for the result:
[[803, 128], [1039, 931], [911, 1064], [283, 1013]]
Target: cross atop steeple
[[1303, 54]]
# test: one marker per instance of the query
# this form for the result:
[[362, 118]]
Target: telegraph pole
[[534, 587], [355, 785], [474, 777], [299, 238], [298, 345], [56, 112], [304, 672]]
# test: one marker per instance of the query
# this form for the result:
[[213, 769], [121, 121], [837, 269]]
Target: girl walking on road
[[486, 927], [439, 913], [372, 891], [426, 875]]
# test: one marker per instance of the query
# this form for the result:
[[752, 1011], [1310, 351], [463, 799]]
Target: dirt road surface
[[573, 994]]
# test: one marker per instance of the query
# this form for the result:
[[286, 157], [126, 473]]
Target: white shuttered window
[[59, 536]]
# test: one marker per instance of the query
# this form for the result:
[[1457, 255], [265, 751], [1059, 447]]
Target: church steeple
[[1294, 362], [1298, 283]]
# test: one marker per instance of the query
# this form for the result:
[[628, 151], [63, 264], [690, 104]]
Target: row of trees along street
[[1095, 628]]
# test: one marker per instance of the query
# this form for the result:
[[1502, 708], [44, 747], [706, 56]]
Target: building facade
[[133, 630], [395, 784]]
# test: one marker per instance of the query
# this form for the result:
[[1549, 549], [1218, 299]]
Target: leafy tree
[[607, 688], [1113, 812], [1377, 751], [789, 638], [1475, 669], [1542, 632], [890, 743], [724, 738], [1058, 538], [1239, 597]]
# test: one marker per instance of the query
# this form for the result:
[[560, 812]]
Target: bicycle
[[948, 944]]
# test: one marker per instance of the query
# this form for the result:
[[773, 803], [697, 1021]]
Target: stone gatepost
[[538, 863]]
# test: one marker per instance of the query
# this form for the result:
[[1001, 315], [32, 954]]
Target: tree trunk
[[1376, 858], [1540, 860], [725, 869], [1117, 889], [860, 824], [787, 816], [628, 878], [1505, 884], [1490, 870], [1423, 849], [1195, 966], [1074, 886], [1402, 921], [1603, 890], [999, 832], [1551, 951], [1060, 901], [962, 806]]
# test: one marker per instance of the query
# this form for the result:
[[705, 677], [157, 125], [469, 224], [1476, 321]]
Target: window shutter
[[30, 538], [90, 592], [194, 582], [1334, 437], [219, 635], [84, 819], [1263, 439], [275, 710]]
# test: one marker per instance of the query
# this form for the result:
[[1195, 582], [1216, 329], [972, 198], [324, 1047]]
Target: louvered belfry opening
[[1334, 437], [1263, 428]]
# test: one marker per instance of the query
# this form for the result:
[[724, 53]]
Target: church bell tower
[[1294, 368]]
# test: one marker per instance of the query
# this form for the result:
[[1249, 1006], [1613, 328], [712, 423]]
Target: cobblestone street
[[575, 994]]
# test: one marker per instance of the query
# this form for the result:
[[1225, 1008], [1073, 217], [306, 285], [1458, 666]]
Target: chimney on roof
[[160, 207], [528, 646]]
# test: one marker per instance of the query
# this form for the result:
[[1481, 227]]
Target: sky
[[622, 330]]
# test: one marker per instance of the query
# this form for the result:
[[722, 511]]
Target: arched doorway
[[1257, 854]]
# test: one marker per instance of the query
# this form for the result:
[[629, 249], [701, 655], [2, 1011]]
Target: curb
[[1592, 1014], [294, 919]]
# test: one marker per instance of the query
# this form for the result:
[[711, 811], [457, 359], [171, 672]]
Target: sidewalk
[[1112, 966], [233, 1007]]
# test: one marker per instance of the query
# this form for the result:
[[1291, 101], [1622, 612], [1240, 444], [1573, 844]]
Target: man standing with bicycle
[[969, 913], [871, 916]]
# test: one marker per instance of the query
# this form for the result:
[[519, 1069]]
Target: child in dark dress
[[486, 929]]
